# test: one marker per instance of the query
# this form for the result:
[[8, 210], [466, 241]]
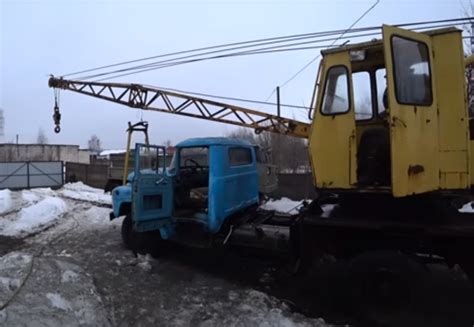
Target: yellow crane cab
[[390, 116]]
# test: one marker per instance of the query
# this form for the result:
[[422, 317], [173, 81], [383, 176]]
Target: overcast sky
[[38, 38]]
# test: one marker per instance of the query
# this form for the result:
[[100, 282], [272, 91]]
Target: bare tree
[[468, 11], [41, 138], [94, 143], [289, 153]]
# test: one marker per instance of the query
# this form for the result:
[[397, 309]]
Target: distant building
[[43, 152]]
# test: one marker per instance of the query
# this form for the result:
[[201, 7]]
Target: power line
[[244, 53], [262, 50], [257, 42], [337, 39]]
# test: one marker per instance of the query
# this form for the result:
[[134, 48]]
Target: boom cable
[[254, 43]]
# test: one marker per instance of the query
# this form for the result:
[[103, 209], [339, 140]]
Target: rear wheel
[[385, 285]]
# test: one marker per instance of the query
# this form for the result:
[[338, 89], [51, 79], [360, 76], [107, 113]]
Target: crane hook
[[56, 114]]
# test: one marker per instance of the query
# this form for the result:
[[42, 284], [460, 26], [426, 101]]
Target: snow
[[5, 200], [69, 276], [109, 152], [82, 192], [283, 205], [34, 217], [57, 301], [245, 307], [29, 197], [13, 269], [43, 300], [467, 208]]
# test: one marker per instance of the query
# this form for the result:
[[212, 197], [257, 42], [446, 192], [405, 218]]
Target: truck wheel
[[145, 242], [127, 231], [385, 285]]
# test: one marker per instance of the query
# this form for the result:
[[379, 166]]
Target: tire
[[142, 243], [127, 231], [385, 285]]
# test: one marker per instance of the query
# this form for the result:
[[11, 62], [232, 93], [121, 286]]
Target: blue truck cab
[[208, 181]]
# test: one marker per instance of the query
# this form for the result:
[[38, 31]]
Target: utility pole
[[278, 100]]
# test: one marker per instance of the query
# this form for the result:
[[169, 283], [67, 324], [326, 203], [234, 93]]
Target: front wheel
[[143, 242], [127, 231]]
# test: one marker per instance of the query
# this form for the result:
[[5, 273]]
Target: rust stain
[[415, 169]]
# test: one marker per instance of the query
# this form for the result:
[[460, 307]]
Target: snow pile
[[30, 197], [5, 200], [467, 208], [283, 205], [34, 217], [240, 308], [82, 192], [47, 298]]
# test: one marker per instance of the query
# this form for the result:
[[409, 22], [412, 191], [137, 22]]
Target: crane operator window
[[336, 92], [362, 95], [412, 72]]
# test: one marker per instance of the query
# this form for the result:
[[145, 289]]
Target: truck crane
[[389, 144]]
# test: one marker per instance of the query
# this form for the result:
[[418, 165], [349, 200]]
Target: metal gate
[[28, 174]]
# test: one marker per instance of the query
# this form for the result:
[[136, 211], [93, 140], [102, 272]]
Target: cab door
[[333, 136], [152, 188], [412, 111]]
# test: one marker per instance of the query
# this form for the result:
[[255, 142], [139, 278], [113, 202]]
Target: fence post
[[28, 174]]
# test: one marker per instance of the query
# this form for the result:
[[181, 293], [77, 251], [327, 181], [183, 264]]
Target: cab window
[[362, 95], [381, 81], [336, 91], [411, 71], [240, 156]]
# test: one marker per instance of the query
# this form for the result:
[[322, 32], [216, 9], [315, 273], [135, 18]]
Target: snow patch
[[467, 208], [44, 300], [13, 268], [57, 301], [69, 276], [144, 262], [80, 191], [5, 200], [242, 308], [283, 205], [35, 217], [29, 197], [109, 152]]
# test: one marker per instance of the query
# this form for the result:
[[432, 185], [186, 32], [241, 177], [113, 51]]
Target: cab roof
[[209, 141]]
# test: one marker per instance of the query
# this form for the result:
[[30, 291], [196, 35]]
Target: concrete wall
[[92, 175], [40, 152]]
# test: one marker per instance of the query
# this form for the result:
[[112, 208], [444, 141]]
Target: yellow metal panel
[[453, 161], [449, 179], [453, 124], [332, 143], [413, 130], [448, 66]]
